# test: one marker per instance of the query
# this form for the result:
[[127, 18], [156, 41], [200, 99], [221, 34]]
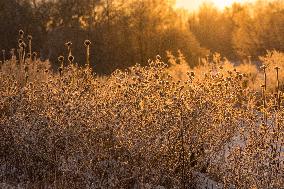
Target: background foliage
[[124, 32]]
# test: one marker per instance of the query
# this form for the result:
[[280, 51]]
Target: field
[[155, 126]]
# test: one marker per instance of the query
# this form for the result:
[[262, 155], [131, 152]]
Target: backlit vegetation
[[143, 127]]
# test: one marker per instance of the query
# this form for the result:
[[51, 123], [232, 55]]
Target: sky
[[194, 4]]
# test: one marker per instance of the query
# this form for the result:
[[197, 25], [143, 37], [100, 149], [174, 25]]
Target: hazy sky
[[194, 4]]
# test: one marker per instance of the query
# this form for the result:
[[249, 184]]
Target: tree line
[[125, 32]]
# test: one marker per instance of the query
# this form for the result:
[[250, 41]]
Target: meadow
[[152, 126]]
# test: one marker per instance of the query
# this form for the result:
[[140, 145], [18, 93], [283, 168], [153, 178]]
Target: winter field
[[163, 125]]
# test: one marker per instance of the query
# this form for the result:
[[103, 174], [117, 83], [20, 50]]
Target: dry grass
[[140, 127]]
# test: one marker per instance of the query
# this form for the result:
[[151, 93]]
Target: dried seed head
[[68, 44], [61, 58], [30, 37], [87, 43], [22, 45], [20, 41], [277, 68], [21, 32], [71, 58], [34, 54], [263, 67]]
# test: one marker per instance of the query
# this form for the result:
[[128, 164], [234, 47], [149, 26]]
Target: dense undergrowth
[[141, 128]]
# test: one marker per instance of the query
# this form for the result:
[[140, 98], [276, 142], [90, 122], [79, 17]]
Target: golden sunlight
[[194, 4]]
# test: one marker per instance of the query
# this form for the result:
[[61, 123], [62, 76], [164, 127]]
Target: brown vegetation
[[140, 127]]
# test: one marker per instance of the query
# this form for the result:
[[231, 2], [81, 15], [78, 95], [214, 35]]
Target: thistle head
[[61, 58], [21, 33], [263, 67], [34, 55], [68, 44], [71, 58], [87, 43], [22, 45], [20, 41], [29, 55], [30, 37]]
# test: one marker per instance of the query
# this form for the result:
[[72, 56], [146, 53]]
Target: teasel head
[[158, 57], [22, 45], [20, 41], [263, 67], [21, 34], [87, 44], [29, 37], [29, 56], [70, 59]]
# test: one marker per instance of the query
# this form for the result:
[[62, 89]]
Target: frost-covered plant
[[138, 128]]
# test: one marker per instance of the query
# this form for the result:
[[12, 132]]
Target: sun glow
[[194, 4]]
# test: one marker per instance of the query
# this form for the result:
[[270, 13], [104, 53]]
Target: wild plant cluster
[[138, 128]]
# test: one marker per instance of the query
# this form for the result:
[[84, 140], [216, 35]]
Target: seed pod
[[30, 37], [34, 55], [61, 58], [87, 43], [28, 55], [21, 33], [70, 58], [68, 44], [263, 67], [20, 41]]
